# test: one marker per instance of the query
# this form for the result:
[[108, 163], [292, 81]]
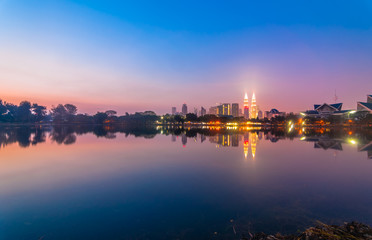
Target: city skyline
[[130, 57]]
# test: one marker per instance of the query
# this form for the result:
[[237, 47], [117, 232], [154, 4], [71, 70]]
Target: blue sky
[[140, 55]]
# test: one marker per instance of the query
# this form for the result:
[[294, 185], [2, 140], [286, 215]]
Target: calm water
[[95, 183]]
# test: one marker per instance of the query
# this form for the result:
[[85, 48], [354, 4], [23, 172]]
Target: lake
[[91, 182]]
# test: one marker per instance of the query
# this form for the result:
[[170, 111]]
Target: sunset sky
[[151, 55]]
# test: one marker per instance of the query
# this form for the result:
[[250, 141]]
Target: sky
[[152, 55]]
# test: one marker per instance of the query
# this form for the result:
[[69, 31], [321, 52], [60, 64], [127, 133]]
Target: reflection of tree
[[63, 134]]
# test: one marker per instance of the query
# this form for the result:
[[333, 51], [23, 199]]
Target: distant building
[[254, 112], [174, 110], [184, 109], [226, 109], [273, 113], [235, 109], [259, 114], [365, 106], [196, 111], [219, 110], [246, 107], [203, 111], [213, 110]]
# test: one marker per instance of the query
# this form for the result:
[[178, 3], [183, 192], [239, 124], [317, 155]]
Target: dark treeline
[[26, 112]]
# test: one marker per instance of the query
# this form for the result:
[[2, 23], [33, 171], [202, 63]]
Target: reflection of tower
[[246, 144], [253, 137], [184, 140], [226, 140], [235, 140], [202, 138], [246, 106], [253, 107], [173, 138]]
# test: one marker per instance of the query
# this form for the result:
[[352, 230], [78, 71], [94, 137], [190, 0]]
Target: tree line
[[26, 112]]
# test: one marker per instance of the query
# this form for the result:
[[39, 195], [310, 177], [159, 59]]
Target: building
[[196, 111], [365, 107], [203, 111], [219, 110], [273, 113], [213, 110], [326, 110], [184, 109], [246, 107], [174, 110], [254, 112], [259, 114], [226, 109], [235, 109]]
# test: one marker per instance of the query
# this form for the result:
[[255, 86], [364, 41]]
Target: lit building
[[326, 110], [235, 109], [246, 106], [184, 109], [174, 110], [254, 112], [365, 106], [213, 110], [203, 111], [226, 109]]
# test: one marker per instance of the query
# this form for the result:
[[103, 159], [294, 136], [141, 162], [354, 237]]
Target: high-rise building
[[196, 111], [184, 109], [174, 110], [260, 114], [219, 110], [203, 111], [226, 109], [246, 106], [235, 109], [254, 111], [213, 110]]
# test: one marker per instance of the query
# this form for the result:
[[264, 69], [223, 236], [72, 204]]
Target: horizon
[[133, 57]]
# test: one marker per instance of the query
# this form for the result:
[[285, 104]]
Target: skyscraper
[[246, 106], [226, 109], [184, 109], [203, 111], [174, 110], [235, 109], [254, 111]]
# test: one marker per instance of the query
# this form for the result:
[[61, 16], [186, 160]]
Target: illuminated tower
[[246, 106], [253, 107]]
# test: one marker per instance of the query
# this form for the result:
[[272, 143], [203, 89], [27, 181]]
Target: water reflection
[[322, 138]]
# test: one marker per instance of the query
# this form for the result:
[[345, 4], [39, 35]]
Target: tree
[[59, 113], [70, 109], [179, 119], [100, 117], [110, 113], [24, 112], [191, 117], [39, 112]]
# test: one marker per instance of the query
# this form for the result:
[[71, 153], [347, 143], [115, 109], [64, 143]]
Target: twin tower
[[250, 112]]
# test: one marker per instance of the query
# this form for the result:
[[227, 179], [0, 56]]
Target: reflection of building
[[246, 106], [254, 112], [184, 109], [174, 110], [235, 109], [253, 137], [184, 140], [202, 138], [246, 144], [235, 140], [327, 143], [367, 147], [174, 138]]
